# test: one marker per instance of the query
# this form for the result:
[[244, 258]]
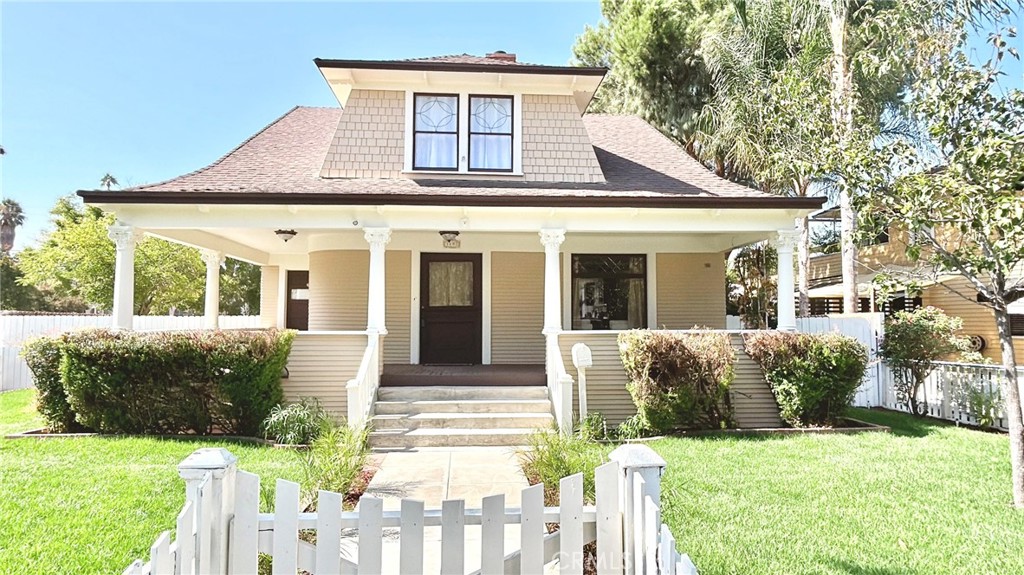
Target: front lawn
[[927, 499], [93, 505]]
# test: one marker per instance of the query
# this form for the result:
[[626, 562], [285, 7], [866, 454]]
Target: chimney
[[502, 55]]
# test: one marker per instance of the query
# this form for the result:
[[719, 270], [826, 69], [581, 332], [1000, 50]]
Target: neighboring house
[[952, 293], [466, 209]]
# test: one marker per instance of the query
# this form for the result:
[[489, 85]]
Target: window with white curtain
[[436, 132], [609, 291], [490, 133]]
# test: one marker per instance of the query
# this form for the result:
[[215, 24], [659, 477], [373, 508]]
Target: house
[[951, 293], [461, 211]]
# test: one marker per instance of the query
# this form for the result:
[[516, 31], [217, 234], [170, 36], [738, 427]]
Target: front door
[[451, 314], [297, 311]]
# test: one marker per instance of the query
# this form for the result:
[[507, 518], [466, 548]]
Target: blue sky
[[147, 91]]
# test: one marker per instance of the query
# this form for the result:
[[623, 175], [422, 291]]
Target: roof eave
[[427, 66], [282, 198]]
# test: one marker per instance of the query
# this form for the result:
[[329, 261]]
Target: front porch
[[399, 375]]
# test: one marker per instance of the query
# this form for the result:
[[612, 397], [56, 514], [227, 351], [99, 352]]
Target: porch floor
[[397, 375]]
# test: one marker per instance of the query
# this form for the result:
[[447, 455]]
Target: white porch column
[[552, 240], [378, 238], [124, 238], [787, 309], [213, 259]]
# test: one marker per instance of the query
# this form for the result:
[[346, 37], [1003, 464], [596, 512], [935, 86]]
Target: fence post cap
[[206, 459], [635, 455]]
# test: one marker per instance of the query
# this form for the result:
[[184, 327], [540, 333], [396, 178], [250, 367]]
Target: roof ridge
[[225, 156]]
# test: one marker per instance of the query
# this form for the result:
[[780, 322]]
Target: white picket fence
[[868, 329], [16, 329], [221, 531], [968, 393]]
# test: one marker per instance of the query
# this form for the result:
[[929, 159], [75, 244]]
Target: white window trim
[[517, 136]]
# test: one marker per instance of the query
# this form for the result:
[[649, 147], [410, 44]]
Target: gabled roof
[[281, 164]]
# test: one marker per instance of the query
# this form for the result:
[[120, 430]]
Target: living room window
[[436, 132], [463, 133], [609, 291]]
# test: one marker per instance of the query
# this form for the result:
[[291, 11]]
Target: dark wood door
[[297, 312], [451, 314]]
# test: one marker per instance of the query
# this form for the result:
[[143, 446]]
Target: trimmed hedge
[[172, 382], [814, 377], [43, 355], [678, 380]]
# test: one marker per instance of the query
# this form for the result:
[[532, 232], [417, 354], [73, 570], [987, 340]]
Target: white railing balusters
[[362, 389]]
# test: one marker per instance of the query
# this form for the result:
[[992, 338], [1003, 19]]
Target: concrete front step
[[461, 393], [449, 437], [463, 420], [464, 406]]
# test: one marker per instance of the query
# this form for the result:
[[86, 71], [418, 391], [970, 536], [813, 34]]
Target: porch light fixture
[[451, 238], [285, 235]]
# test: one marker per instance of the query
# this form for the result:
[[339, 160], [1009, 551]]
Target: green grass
[[93, 505], [927, 499]]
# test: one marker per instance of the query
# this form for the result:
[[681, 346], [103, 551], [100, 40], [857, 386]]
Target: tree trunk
[[1012, 395], [842, 118], [803, 268]]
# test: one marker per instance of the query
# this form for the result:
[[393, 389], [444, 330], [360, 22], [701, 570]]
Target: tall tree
[[11, 216], [107, 181], [966, 215]]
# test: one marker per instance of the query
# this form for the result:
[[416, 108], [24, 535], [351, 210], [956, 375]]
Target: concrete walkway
[[435, 474]]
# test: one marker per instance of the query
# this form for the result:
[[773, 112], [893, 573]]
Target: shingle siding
[[556, 147], [368, 142]]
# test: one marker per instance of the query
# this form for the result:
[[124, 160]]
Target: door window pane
[[451, 284]]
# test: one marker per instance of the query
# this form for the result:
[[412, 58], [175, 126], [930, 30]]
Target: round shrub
[[297, 423], [814, 377], [43, 355], [678, 380]]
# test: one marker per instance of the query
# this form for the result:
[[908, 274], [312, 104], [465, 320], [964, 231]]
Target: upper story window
[[436, 132], [463, 133], [490, 133]]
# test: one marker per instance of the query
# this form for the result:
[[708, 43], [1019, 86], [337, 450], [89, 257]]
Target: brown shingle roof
[[642, 168], [469, 59]]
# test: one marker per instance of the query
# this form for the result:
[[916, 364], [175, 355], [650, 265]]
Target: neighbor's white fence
[[868, 329], [221, 531], [16, 329], [960, 392]]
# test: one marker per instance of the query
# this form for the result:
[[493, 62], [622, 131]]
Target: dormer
[[461, 117]]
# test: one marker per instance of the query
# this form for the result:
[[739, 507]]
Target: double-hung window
[[464, 133], [436, 132]]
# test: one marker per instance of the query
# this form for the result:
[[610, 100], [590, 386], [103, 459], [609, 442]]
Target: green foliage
[[297, 423], [76, 260], [679, 380], [173, 382], [43, 358], [594, 427], [814, 377], [913, 342], [752, 285], [550, 456], [334, 461]]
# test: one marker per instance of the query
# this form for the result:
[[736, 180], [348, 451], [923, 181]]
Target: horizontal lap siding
[[338, 286], [753, 401], [398, 271], [517, 308], [269, 288], [691, 291], [321, 365]]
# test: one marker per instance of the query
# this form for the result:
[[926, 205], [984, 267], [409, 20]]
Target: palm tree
[[107, 180], [11, 216]]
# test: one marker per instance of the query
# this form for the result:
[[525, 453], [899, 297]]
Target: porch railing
[[559, 385], [220, 530], [362, 389]]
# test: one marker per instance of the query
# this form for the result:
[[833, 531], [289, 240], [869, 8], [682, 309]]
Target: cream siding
[[753, 402], [270, 291], [690, 291], [556, 146], [517, 308], [338, 285], [320, 366], [369, 140], [398, 303]]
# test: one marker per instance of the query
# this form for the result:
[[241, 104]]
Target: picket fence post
[[637, 462], [215, 501]]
